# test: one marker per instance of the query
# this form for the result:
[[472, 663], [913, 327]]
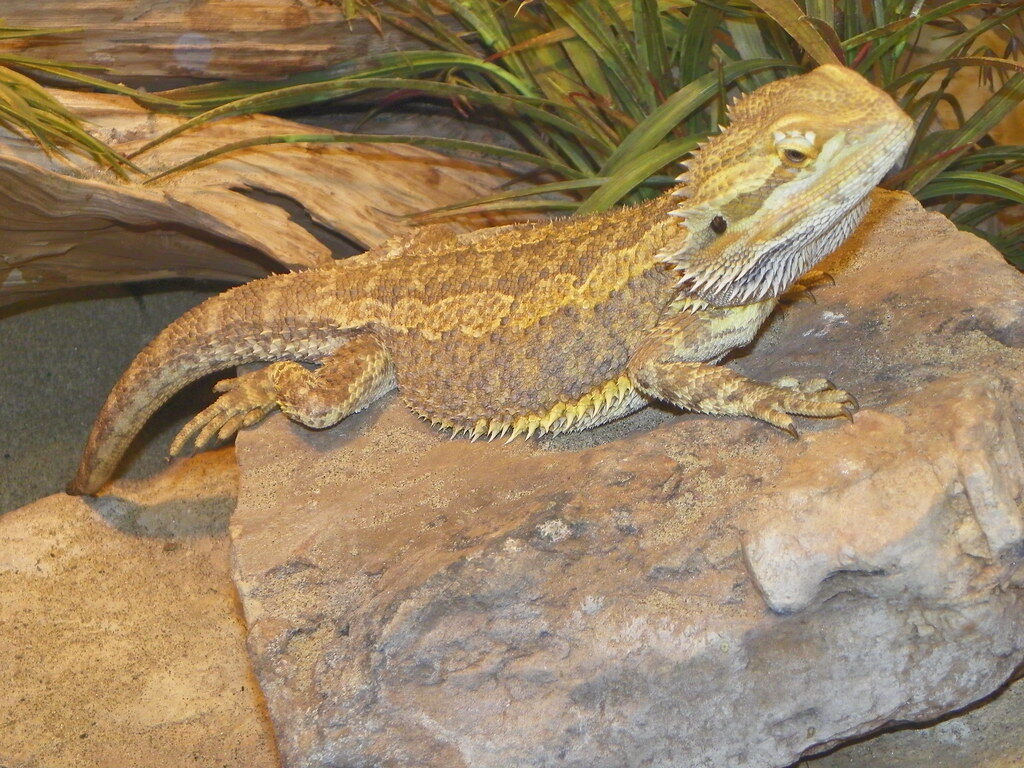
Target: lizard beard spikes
[[752, 274], [723, 259], [712, 258]]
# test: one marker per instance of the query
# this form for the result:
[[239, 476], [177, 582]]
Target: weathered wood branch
[[239, 39], [64, 225]]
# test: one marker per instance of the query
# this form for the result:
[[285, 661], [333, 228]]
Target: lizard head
[[784, 184]]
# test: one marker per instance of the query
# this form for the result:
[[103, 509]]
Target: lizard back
[[560, 319]]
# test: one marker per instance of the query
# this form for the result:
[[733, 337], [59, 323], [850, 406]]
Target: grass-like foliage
[[27, 108], [603, 96]]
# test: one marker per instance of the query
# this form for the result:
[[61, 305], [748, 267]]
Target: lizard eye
[[719, 224], [794, 156], [796, 149]]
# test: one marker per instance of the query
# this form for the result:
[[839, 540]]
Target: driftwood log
[[238, 39], [235, 218]]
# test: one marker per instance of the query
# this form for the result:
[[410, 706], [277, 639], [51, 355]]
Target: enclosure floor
[[58, 361]]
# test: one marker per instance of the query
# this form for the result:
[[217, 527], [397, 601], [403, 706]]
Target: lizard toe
[[230, 426], [226, 385], [253, 416], [786, 382], [196, 424], [825, 403], [815, 398], [209, 431], [819, 384], [807, 386], [769, 411], [245, 400]]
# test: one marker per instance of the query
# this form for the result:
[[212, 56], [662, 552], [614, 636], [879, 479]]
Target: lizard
[[548, 327]]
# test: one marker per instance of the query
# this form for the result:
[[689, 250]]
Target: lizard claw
[[815, 278], [246, 400], [788, 396]]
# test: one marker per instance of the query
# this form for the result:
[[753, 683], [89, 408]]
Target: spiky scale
[[532, 425], [479, 429]]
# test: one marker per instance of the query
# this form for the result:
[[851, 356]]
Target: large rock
[[120, 640], [670, 590]]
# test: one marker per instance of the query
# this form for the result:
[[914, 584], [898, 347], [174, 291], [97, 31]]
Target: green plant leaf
[[406, 64], [631, 175], [791, 18], [953, 144], [27, 107], [502, 205], [14, 33], [517, 194], [676, 108], [926, 70], [456, 145], [973, 215], [317, 92], [750, 43], [650, 38], [696, 42], [973, 183]]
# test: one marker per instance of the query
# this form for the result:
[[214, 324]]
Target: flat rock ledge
[[672, 589], [121, 645]]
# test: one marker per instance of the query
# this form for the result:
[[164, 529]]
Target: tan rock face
[[671, 589], [120, 642]]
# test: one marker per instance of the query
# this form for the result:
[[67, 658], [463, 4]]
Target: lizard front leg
[[346, 382], [676, 365]]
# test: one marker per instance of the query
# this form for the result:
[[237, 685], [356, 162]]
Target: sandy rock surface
[[121, 642], [672, 589]]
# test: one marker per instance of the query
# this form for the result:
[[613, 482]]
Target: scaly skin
[[552, 327]]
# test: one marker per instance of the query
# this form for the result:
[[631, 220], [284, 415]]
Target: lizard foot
[[246, 400], [806, 387], [787, 397], [805, 287]]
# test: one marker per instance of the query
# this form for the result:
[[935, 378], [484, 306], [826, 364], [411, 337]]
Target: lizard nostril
[[719, 224]]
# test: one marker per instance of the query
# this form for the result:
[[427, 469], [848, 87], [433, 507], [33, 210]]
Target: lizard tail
[[282, 317]]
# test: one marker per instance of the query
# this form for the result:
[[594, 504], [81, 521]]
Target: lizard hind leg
[[347, 381]]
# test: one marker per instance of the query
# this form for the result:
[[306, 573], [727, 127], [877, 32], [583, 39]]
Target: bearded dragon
[[551, 327]]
